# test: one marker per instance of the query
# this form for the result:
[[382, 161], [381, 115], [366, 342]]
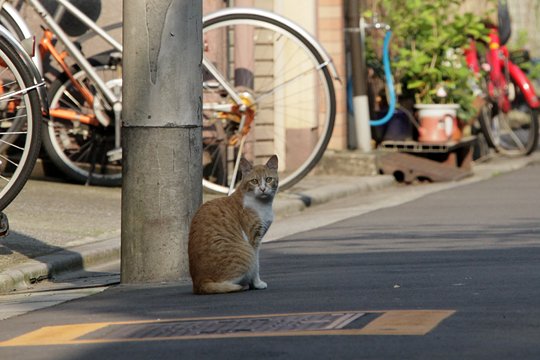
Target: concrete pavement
[[450, 275], [57, 227]]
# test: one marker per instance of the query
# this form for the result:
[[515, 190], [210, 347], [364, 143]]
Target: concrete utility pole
[[359, 71], [162, 143]]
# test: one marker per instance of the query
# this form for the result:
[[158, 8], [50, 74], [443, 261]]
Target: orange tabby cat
[[226, 233]]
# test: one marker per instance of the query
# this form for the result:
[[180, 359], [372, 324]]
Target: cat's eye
[[269, 179], [254, 181]]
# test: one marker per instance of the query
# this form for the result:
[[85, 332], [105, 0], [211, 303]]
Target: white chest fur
[[263, 210]]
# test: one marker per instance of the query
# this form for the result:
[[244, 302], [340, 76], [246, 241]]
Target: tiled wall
[[328, 30], [331, 35]]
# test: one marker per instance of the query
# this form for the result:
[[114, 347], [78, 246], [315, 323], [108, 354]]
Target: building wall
[[524, 15], [324, 20], [330, 33]]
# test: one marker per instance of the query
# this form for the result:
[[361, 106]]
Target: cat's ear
[[272, 163], [245, 166]]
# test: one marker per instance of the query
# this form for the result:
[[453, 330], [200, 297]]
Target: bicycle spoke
[[510, 132], [283, 84], [21, 91], [8, 84], [12, 145], [69, 136], [9, 160], [13, 133], [289, 91]]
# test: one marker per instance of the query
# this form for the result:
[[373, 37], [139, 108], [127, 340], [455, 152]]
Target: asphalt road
[[454, 273]]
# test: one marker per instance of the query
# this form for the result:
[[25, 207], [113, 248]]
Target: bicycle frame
[[501, 69], [46, 45], [73, 51], [112, 102], [247, 115], [238, 107]]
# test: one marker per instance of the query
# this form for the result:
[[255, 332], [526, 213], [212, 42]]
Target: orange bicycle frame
[[46, 45]]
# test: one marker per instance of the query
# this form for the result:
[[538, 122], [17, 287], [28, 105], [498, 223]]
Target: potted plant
[[429, 37]]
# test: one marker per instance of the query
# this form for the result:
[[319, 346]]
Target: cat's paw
[[260, 285]]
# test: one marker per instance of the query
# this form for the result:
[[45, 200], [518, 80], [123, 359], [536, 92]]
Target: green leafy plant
[[429, 37]]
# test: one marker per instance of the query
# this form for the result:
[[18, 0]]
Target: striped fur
[[226, 233]]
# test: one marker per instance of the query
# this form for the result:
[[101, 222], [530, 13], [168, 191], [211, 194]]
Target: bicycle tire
[[302, 99], [11, 19], [512, 133], [79, 150], [23, 112], [7, 21], [10, 24]]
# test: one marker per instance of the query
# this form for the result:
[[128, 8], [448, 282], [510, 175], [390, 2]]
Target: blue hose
[[389, 83]]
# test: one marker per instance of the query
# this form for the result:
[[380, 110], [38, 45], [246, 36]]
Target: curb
[[44, 267], [296, 201], [100, 252]]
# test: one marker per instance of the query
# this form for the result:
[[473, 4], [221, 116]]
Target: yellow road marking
[[403, 322], [49, 335], [392, 322]]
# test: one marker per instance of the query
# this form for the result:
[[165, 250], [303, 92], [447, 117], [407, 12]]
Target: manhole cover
[[266, 324]]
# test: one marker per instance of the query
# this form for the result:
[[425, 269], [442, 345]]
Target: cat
[[226, 233]]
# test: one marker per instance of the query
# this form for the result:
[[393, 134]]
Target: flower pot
[[438, 123]]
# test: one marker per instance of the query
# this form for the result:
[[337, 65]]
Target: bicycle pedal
[[115, 154]]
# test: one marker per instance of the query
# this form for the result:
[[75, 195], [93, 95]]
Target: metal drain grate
[[266, 324]]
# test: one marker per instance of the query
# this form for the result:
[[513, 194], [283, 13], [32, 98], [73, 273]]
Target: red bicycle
[[509, 119]]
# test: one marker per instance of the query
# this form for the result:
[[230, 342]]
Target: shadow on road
[[18, 250]]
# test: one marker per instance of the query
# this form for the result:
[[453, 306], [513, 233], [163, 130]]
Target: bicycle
[[268, 88], [509, 119], [80, 139], [22, 102]]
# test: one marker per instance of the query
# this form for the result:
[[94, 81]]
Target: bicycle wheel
[[11, 24], [512, 133], [78, 144], [281, 75], [20, 122]]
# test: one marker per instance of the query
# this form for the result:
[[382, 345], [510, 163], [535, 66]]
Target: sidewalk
[[58, 227]]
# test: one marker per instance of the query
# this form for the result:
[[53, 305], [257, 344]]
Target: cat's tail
[[210, 287]]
